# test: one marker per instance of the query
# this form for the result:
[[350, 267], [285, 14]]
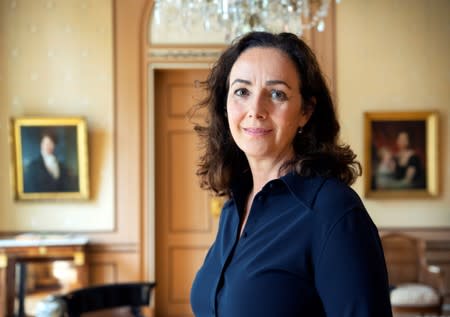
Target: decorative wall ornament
[[183, 54]]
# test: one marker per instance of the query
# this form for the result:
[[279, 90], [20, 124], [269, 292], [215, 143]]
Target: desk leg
[[82, 274], [10, 287], [3, 291], [22, 288]]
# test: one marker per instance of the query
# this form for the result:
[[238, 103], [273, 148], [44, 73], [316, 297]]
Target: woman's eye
[[278, 95], [241, 92]]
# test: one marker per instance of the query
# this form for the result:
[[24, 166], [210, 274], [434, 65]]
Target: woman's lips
[[257, 131]]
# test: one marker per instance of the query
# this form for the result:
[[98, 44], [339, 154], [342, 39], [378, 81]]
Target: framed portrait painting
[[401, 158], [50, 158]]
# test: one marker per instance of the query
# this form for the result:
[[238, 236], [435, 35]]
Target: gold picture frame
[[401, 159], [50, 158]]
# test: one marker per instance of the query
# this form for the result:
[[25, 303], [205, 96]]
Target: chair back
[[404, 255], [108, 296], [417, 287]]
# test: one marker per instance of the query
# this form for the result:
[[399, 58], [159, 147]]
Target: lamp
[[237, 17]]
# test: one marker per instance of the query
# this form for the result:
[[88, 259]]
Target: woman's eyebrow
[[277, 82], [269, 82], [243, 81]]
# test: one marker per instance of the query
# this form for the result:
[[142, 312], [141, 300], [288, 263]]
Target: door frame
[[154, 57], [150, 154]]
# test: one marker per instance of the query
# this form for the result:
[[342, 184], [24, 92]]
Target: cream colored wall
[[394, 55], [56, 59]]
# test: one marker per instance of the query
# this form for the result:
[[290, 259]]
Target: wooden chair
[[417, 287], [90, 299]]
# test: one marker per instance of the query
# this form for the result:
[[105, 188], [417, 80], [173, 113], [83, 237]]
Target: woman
[[408, 168], [293, 239]]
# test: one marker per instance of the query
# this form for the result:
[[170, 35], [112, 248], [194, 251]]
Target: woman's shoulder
[[329, 201], [322, 194], [336, 195], [331, 194]]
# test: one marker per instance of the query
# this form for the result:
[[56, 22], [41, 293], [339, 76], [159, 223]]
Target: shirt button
[[245, 234]]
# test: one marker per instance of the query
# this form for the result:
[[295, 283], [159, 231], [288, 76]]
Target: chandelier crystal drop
[[237, 17]]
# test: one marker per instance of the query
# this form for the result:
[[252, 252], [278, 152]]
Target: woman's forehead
[[270, 63]]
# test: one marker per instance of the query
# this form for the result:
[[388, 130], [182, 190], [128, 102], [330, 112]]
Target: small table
[[35, 248]]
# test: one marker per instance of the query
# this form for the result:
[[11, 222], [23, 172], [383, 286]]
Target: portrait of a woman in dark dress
[[409, 170], [399, 162]]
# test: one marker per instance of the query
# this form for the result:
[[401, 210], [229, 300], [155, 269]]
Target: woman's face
[[264, 104], [403, 140]]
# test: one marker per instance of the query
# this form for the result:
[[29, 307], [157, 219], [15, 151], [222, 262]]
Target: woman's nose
[[257, 107]]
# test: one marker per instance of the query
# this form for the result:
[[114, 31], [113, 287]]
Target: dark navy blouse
[[309, 249]]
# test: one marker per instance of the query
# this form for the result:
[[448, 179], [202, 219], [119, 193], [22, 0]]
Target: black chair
[[89, 299]]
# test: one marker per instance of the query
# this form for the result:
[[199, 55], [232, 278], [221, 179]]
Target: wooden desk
[[13, 251]]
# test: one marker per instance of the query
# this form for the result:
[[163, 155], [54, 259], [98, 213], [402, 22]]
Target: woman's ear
[[309, 106], [307, 110]]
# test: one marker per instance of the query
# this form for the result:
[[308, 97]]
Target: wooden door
[[185, 227]]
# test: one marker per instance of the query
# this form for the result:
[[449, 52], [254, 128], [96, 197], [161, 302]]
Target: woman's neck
[[266, 170]]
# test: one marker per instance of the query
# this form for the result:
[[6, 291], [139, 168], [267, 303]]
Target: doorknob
[[216, 206]]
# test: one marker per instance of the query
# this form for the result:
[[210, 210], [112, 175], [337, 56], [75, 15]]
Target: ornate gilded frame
[[71, 152], [383, 164]]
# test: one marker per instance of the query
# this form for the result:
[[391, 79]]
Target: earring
[[300, 130]]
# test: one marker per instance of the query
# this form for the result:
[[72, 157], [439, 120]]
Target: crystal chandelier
[[237, 17]]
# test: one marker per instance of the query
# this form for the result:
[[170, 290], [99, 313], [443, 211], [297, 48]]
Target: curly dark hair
[[317, 152]]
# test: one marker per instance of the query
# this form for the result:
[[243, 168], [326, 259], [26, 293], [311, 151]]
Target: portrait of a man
[[49, 159]]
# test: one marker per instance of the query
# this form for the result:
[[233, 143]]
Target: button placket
[[254, 213]]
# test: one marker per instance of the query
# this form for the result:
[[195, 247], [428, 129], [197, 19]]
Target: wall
[[75, 57], [57, 60], [394, 55]]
